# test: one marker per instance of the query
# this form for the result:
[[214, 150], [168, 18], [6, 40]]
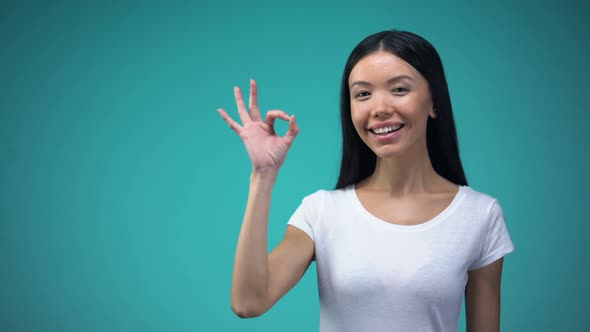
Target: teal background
[[122, 191]]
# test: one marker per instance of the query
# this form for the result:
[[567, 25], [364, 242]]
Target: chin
[[386, 152]]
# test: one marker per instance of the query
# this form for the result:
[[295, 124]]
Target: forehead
[[382, 65]]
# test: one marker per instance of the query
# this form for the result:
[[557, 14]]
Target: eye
[[362, 94], [400, 89]]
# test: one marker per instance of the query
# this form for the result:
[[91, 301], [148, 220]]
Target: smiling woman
[[405, 94], [402, 237]]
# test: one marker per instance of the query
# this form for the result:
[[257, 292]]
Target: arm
[[482, 298], [259, 279]]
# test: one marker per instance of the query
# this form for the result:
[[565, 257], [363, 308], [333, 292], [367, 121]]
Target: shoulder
[[479, 200], [324, 196], [325, 199], [482, 209], [317, 207]]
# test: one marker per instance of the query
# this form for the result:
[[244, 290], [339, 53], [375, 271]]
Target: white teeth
[[386, 129]]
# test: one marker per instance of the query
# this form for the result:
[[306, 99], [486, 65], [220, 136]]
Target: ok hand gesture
[[266, 149]]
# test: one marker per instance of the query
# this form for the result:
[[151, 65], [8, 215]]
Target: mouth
[[386, 134], [385, 131]]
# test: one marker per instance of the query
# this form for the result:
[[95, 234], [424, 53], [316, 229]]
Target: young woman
[[402, 237]]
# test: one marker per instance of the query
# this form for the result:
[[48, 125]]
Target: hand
[[266, 149]]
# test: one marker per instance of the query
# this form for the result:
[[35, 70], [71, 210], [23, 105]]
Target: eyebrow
[[391, 80]]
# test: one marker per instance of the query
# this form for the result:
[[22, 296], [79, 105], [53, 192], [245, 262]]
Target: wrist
[[264, 175]]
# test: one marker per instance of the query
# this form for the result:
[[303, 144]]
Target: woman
[[402, 237]]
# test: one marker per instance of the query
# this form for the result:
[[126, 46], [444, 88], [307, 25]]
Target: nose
[[382, 108]]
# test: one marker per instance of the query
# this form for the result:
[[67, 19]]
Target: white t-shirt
[[377, 276]]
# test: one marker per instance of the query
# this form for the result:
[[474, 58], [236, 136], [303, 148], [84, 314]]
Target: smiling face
[[390, 103]]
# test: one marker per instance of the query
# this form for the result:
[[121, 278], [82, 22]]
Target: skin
[[404, 188], [260, 279]]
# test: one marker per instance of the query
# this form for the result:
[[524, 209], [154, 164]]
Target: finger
[[232, 124], [293, 130], [271, 116], [241, 106], [253, 102]]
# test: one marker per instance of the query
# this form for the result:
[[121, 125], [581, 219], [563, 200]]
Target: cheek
[[360, 110], [417, 111], [359, 116]]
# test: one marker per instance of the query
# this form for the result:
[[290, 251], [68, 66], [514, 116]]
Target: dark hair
[[358, 160]]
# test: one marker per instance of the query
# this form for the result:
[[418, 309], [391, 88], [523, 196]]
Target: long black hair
[[358, 160]]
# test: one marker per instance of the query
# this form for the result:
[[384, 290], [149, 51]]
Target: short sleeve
[[302, 217], [496, 239]]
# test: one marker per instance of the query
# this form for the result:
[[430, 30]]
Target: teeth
[[386, 129]]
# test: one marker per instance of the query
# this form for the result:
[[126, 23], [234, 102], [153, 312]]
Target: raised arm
[[261, 279]]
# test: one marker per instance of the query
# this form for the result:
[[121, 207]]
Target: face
[[390, 104]]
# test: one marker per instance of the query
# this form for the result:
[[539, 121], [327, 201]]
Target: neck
[[411, 172]]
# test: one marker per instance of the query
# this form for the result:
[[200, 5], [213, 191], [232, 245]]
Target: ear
[[433, 113]]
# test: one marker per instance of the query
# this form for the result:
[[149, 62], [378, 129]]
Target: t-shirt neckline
[[425, 225]]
